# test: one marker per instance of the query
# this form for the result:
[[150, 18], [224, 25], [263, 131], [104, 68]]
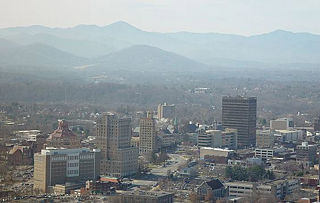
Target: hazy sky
[[225, 16]]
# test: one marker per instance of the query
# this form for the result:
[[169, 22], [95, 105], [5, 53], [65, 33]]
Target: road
[[176, 160]]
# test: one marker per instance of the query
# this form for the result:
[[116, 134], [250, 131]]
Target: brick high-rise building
[[240, 113], [118, 157], [147, 135], [58, 166]]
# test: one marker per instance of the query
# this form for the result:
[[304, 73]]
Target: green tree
[[255, 173], [240, 173], [228, 172]]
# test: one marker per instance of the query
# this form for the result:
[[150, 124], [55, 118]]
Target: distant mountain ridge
[[92, 41], [36, 54], [143, 58]]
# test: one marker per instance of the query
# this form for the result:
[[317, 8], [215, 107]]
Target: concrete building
[[264, 153], [147, 135], [166, 111], [63, 137], [218, 139], [118, 157], [215, 154], [28, 135], [278, 188], [240, 113], [144, 196], [229, 138], [135, 141], [58, 166], [264, 139], [282, 124], [306, 153], [211, 138], [167, 140], [288, 136]]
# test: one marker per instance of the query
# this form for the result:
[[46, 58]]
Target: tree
[[228, 172], [239, 173], [163, 156], [255, 173], [270, 175]]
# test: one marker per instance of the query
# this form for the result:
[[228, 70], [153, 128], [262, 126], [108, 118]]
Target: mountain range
[[123, 46]]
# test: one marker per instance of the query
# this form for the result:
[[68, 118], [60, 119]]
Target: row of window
[[70, 172], [73, 164]]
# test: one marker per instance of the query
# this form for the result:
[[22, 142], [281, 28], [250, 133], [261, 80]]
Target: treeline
[[252, 173]]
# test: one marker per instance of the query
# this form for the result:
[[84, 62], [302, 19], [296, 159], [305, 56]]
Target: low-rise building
[[211, 138], [264, 139], [229, 138], [282, 124], [166, 140], [306, 153], [214, 186], [278, 188], [146, 197], [20, 155], [217, 155], [288, 136], [264, 153], [218, 138]]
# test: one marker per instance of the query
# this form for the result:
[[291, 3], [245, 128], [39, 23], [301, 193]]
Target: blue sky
[[245, 17]]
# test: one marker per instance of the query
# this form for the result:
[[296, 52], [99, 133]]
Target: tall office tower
[[59, 166], [240, 113], [147, 135], [118, 157], [166, 111]]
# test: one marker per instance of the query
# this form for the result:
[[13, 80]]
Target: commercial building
[[167, 140], [218, 139], [147, 135], [166, 111], [58, 166], [229, 138], [240, 113], [264, 153], [146, 197], [288, 136], [118, 157], [215, 154], [306, 153], [264, 138], [28, 135], [278, 188], [211, 138], [282, 124]]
